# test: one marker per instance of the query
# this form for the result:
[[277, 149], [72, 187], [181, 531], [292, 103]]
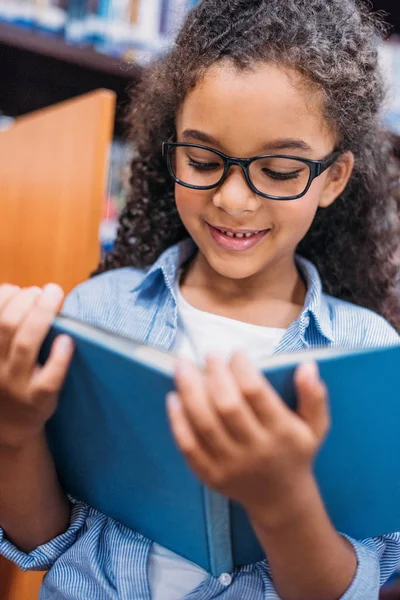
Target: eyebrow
[[288, 144], [199, 136], [278, 144]]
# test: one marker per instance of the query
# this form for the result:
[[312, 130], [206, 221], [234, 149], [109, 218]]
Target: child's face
[[265, 111]]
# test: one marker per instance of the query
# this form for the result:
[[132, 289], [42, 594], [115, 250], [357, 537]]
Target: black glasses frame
[[317, 167]]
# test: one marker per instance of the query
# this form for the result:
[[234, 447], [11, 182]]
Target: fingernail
[[310, 371], [52, 291], [65, 343], [173, 400]]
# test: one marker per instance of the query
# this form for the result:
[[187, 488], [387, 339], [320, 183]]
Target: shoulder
[[95, 300], [357, 326]]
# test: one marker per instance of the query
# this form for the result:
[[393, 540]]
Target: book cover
[[113, 447]]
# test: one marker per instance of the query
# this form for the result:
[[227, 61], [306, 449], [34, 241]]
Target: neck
[[278, 288]]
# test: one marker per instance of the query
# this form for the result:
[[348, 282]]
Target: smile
[[236, 240], [238, 235]]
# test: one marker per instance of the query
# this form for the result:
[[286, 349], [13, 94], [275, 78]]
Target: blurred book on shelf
[[45, 16], [121, 154], [127, 29]]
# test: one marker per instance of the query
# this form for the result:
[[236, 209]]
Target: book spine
[[75, 26], [134, 11], [218, 531]]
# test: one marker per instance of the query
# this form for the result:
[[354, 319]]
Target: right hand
[[28, 391]]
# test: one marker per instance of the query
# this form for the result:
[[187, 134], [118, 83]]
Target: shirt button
[[225, 579], [306, 320]]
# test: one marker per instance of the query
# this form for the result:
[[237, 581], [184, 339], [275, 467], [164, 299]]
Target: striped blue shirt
[[100, 559]]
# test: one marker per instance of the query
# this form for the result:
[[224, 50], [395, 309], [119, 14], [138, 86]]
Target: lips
[[239, 240]]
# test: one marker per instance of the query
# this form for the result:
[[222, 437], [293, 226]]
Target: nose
[[234, 195]]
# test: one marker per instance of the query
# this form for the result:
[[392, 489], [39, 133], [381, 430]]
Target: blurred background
[[54, 50]]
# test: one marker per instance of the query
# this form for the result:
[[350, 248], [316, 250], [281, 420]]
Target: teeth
[[239, 235]]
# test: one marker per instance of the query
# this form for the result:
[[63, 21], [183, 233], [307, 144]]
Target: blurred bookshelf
[[52, 50], [12, 36], [38, 71]]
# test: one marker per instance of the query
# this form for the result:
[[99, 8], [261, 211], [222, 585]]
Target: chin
[[234, 267]]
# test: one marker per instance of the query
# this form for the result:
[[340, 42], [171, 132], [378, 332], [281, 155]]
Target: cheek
[[295, 217], [190, 204]]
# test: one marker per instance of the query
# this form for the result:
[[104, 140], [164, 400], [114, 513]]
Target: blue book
[[113, 448]]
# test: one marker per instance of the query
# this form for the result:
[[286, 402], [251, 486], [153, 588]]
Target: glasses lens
[[281, 177], [195, 166]]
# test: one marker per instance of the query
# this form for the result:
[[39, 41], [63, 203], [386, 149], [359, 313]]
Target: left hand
[[239, 436]]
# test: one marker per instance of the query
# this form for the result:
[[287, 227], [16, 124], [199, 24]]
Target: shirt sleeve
[[44, 557], [377, 559], [72, 306], [380, 333]]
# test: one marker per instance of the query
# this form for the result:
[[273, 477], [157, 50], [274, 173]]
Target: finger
[[7, 292], [33, 329], [186, 438], [47, 381], [195, 400], [264, 401], [312, 399], [12, 315], [229, 402]]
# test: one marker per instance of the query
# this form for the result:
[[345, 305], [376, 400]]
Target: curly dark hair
[[334, 44]]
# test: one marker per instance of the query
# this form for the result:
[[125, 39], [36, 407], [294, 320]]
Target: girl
[[274, 176]]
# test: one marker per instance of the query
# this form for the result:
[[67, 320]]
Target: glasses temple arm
[[328, 162]]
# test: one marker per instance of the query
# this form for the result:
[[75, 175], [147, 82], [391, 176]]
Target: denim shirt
[[100, 559]]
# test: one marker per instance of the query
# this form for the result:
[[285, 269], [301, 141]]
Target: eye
[[282, 176], [203, 166]]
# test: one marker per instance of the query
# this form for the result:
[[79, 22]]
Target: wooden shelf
[[53, 47], [37, 70]]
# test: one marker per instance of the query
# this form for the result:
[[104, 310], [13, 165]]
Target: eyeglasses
[[278, 177]]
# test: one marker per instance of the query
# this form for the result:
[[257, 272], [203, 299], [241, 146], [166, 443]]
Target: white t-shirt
[[201, 332], [172, 577]]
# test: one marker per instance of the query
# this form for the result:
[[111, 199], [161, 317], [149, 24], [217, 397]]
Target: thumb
[[312, 399]]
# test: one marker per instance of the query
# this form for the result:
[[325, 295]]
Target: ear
[[338, 176]]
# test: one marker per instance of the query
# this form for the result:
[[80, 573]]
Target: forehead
[[246, 109]]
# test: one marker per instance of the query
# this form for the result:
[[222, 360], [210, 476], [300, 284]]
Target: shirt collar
[[315, 306], [169, 263]]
